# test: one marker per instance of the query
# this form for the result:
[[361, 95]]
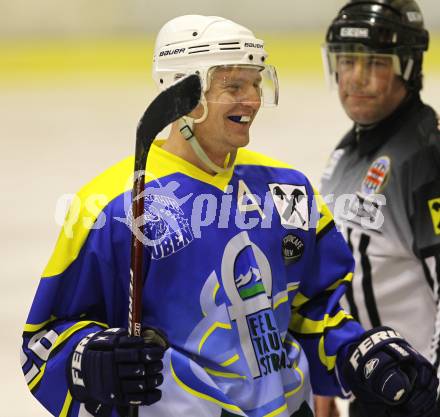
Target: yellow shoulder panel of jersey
[[83, 212], [89, 202]]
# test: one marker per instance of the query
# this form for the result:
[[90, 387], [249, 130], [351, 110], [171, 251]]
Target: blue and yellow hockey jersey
[[244, 274]]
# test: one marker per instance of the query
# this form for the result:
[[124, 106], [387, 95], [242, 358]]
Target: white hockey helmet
[[196, 44]]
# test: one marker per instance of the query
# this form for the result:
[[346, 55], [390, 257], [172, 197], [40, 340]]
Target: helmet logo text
[[355, 33], [253, 45], [172, 52]]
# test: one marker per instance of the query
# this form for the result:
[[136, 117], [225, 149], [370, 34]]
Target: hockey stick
[[171, 104]]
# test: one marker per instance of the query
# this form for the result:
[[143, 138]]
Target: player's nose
[[360, 74], [251, 97]]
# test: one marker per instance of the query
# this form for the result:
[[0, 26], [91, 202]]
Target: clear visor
[[369, 71], [249, 84]]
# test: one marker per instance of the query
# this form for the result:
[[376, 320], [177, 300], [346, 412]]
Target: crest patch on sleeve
[[434, 209]]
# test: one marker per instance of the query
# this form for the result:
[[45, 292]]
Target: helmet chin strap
[[186, 124]]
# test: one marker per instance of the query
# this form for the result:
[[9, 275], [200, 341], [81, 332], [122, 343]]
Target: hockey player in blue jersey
[[244, 266]]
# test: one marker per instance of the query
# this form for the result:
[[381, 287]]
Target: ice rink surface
[[55, 138]]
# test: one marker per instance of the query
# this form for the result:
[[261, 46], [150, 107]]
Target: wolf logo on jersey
[[166, 230]]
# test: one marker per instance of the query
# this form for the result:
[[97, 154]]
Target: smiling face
[[369, 88], [234, 98]]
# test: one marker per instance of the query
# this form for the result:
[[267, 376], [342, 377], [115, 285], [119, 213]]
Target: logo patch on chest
[[377, 176], [292, 248], [291, 202]]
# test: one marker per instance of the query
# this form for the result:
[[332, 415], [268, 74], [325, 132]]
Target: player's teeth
[[240, 119]]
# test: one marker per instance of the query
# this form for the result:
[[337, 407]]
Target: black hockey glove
[[389, 377], [109, 368]]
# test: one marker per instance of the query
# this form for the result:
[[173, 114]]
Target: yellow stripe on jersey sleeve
[[303, 325], [33, 328], [63, 337], [67, 405], [346, 280], [325, 217], [329, 361], [300, 299]]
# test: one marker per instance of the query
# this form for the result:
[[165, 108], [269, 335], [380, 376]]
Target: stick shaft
[[136, 276], [171, 104], [136, 270]]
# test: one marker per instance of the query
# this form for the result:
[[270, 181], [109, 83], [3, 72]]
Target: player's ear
[[198, 112]]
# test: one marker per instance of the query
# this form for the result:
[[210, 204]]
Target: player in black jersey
[[382, 181]]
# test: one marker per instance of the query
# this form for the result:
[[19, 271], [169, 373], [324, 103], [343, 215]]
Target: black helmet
[[383, 26]]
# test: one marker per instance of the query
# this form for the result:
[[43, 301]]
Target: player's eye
[[379, 62], [346, 61], [233, 85]]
